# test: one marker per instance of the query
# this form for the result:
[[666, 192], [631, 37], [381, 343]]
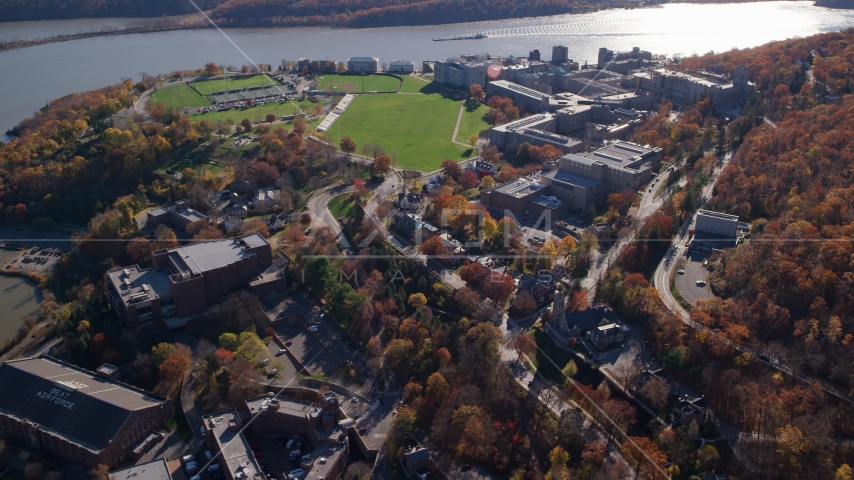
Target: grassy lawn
[[417, 127], [208, 87], [472, 122], [278, 109], [355, 83], [342, 206], [179, 96]]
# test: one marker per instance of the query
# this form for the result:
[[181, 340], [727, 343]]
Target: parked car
[[681, 272], [701, 283], [313, 328], [189, 458], [281, 351], [289, 343]]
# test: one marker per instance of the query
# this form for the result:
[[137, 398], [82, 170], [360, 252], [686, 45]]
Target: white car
[[313, 328]]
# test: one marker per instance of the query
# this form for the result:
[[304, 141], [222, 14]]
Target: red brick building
[[186, 280]]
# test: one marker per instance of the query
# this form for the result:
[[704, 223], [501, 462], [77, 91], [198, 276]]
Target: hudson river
[[31, 76]]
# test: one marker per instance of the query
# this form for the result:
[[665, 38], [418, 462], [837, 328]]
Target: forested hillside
[[19, 10], [252, 13]]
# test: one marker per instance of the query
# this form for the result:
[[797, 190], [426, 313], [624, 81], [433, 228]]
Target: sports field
[[278, 109], [416, 127], [179, 96], [207, 87], [356, 83]]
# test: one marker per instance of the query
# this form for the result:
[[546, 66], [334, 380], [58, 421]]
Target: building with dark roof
[[75, 414], [186, 280], [417, 461]]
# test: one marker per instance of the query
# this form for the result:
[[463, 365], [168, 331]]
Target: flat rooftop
[[286, 405], [154, 470], [528, 92], [520, 188], [235, 449], [547, 201], [330, 455], [528, 122], [203, 257], [131, 283], [71, 402], [722, 216], [620, 154], [563, 176]]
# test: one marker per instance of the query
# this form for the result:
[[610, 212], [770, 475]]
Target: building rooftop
[[71, 402], [520, 188], [154, 470], [235, 449], [723, 216], [137, 285], [620, 154], [563, 176], [402, 62], [202, 257], [528, 92], [547, 201], [363, 59], [287, 405]]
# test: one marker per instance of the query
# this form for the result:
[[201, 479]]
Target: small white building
[[402, 66], [716, 223], [363, 64], [231, 224]]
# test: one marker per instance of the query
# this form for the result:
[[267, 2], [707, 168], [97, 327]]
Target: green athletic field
[[179, 96], [417, 127], [355, 83]]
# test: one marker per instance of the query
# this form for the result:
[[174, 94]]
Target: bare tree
[[655, 392], [627, 371]]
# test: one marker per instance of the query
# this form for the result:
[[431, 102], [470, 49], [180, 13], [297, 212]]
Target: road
[[650, 203]]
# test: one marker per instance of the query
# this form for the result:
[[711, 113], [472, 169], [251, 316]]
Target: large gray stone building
[[579, 181], [459, 72]]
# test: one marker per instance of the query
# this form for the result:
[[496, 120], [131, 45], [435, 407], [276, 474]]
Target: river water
[[31, 76], [18, 299]]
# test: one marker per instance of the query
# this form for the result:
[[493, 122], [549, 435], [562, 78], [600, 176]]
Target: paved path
[[457, 126]]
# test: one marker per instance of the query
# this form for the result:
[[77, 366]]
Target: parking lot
[[686, 282]]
